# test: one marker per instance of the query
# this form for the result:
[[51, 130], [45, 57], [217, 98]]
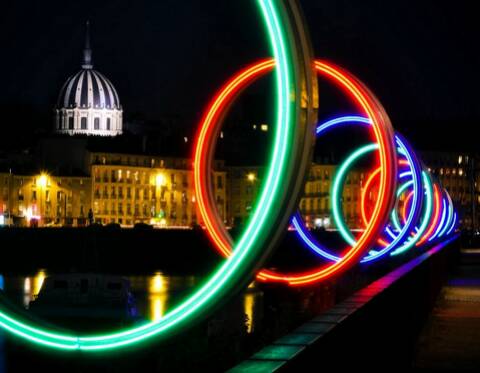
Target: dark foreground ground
[[450, 339]]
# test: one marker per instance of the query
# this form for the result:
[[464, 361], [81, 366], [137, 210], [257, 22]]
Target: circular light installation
[[413, 240], [426, 216], [415, 171], [400, 241], [292, 138], [366, 103], [414, 212]]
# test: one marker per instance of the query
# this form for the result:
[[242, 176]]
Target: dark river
[[154, 294]]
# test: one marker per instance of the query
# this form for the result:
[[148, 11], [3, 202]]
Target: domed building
[[88, 103]]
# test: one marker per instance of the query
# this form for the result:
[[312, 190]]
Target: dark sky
[[166, 57]]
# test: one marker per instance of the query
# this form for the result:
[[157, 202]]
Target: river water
[[259, 315]]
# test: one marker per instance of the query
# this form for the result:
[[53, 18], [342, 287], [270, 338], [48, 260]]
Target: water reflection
[[30, 292], [154, 294], [158, 296], [249, 302]]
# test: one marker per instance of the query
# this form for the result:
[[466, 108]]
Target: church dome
[[88, 89], [88, 102]]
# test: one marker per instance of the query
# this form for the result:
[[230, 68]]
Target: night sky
[[167, 57]]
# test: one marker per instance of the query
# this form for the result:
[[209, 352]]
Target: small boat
[[85, 296]]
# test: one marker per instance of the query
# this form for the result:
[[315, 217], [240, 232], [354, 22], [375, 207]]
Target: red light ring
[[436, 216], [406, 204], [205, 145], [364, 192]]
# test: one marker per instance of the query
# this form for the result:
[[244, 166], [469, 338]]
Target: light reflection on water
[[249, 306], [158, 296], [32, 286], [154, 294]]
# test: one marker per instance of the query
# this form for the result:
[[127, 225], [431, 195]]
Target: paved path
[[451, 337]]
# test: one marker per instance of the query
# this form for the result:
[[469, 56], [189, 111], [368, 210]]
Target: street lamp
[[42, 180], [160, 180]]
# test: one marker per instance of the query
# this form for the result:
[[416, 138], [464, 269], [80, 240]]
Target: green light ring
[[394, 215], [336, 208], [231, 273], [339, 179], [426, 217]]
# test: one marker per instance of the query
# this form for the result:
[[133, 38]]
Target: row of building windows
[[83, 123], [137, 210], [450, 171], [127, 176], [142, 194], [144, 161]]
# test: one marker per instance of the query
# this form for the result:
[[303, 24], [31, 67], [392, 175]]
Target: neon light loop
[[250, 250], [418, 176], [223, 242], [401, 237], [381, 127], [417, 182]]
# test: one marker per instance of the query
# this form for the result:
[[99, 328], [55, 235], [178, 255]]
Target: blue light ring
[[450, 216]]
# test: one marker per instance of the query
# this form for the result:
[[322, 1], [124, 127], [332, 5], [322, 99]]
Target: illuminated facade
[[315, 204], [123, 189], [44, 200], [456, 173], [129, 189], [88, 103]]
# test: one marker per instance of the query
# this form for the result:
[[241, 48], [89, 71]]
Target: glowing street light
[[161, 180], [251, 177], [42, 180]]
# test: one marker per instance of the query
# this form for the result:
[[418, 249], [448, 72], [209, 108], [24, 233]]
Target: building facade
[[44, 200], [123, 189], [457, 173], [316, 203], [244, 185], [129, 189]]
